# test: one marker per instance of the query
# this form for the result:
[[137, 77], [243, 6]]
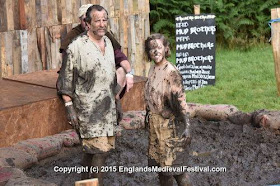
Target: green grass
[[243, 79]]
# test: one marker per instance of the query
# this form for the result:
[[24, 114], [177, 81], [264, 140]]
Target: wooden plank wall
[[31, 32]]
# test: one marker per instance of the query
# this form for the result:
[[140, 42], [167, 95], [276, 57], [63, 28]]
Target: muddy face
[[157, 51], [98, 25]]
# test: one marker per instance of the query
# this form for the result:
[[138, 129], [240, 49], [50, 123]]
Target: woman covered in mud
[[167, 117]]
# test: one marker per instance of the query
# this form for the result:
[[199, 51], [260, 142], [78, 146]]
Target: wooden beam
[[3, 16], [52, 13], [30, 14], [16, 9], [9, 52], [88, 182], [39, 12], [24, 51], [3, 54], [196, 9], [22, 20], [42, 46], [10, 15], [275, 35], [76, 4], [34, 60], [16, 56]]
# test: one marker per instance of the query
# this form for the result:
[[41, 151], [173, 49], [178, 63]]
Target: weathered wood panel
[[6, 56], [132, 42], [32, 32], [55, 33], [30, 14], [59, 12], [135, 96], [16, 53], [46, 13], [52, 13], [114, 27], [3, 16], [2, 55], [39, 12], [9, 52], [13, 50], [12, 15], [40, 114], [76, 4], [137, 33], [22, 20], [2, 50], [34, 61], [24, 51]]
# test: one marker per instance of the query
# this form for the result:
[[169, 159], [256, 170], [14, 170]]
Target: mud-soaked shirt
[[88, 77], [164, 92]]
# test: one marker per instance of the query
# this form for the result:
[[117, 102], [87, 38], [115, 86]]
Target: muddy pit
[[250, 155]]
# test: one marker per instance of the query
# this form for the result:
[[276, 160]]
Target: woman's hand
[[187, 132]]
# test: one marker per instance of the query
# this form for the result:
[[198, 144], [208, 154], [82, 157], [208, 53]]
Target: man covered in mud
[[167, 115], [124, 71], [87, 81]]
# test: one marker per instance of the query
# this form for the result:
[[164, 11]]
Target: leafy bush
[[240, 24]]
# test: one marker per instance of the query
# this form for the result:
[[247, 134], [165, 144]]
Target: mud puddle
[[250, 156]]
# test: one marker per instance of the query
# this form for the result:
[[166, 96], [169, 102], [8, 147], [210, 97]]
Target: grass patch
[[243, 79]]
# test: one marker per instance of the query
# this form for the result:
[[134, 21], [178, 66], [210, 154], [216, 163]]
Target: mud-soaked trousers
[[96, 151], [166, 148]]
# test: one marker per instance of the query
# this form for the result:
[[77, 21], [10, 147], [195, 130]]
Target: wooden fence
[[31, 32]]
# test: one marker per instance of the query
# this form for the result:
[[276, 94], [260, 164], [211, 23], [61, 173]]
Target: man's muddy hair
[[154, 37], [92, 8]]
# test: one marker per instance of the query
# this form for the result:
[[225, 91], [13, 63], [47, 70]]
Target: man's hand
[[129, 83], [72, 115], [128, 72]]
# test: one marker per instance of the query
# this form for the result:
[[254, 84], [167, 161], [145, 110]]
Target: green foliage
[[245, 79], [162, 16], [240, 24]]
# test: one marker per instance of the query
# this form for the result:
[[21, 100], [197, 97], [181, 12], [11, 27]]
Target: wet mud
[[250, 156]]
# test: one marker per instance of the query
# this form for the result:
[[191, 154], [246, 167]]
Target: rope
[[273, 21], [269, 24]]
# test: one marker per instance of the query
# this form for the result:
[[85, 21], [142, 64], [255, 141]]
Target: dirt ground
[[250, 155]]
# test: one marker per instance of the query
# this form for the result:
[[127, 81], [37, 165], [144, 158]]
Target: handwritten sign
[[195, 50]]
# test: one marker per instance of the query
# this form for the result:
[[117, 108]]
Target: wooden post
[[196, 9], [89, 182], [3, 16], [275, 35], [22, 19]]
